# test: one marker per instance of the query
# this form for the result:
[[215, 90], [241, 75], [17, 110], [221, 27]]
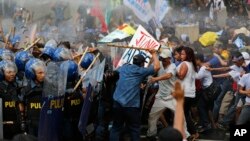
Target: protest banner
[[161, 8], [141, 39], [141, 8]]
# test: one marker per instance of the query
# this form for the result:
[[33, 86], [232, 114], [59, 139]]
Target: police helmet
[[87, 60], [31, 66], [21, 58], [4, 65], [50, 48], [15, 39], [6, 54], [72, 70], [62, 54]]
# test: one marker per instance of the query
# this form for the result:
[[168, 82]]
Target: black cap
[[138, 59]]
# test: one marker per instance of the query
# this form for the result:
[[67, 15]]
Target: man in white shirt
[[163, 99], [244, 88], [205, 103]]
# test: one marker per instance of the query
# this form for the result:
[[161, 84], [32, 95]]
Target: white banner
[[141, 8], [161, 9], [141, 39]]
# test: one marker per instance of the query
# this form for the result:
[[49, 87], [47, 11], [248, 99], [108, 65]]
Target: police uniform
[[32, 100], [9, 94]]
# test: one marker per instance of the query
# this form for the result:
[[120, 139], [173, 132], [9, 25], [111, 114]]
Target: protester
[[186, 74], [206, 100], [177, 132], [163, 98], [126, 105], [244, 115]]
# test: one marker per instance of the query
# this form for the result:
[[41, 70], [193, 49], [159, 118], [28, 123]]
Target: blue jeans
[[244, 115], [125, 115], [232, 109], [104, 114], [225, 86]]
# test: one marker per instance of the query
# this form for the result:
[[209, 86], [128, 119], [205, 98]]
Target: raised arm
[[178, 94], [155, 60]]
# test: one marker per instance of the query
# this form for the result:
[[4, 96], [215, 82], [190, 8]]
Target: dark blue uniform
[[9, 94], [32, 100], [72, 109]]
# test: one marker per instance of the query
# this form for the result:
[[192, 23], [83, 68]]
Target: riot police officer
[[35, 70], [72, 104], [73, 99], [21, 58], [9, 91], [48, 51]]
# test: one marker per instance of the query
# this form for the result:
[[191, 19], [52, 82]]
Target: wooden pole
[[30, 46], [129, 47], [93, 62], [84, 53], [7, 38]]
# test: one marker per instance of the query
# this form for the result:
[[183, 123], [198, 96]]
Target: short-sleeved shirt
[[245, 82], [166, 86], [235, 72], [214, 62], [127, 91], [205, 76]]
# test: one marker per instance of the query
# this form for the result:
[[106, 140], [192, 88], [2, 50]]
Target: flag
[[141, 8], [97, 12], [120, 33], [110, 7], [85, 111]]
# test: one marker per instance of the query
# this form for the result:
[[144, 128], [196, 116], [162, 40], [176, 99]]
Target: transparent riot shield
[[50, 124]]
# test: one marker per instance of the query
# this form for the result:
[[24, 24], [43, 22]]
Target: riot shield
[[50, 124]]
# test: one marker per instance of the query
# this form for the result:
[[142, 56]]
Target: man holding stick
[[126, 106]]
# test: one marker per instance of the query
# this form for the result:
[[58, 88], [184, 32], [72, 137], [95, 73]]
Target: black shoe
[[152, 138]]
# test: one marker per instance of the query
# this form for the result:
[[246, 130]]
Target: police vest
[[9, 101], [33, 104], [73, 106], [10, 109]]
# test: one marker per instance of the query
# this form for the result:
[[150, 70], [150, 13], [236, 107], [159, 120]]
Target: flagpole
[[129, 47]]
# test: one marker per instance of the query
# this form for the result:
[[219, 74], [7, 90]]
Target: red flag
[[97, 12]]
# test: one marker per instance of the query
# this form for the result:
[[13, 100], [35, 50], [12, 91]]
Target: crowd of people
[[189, 87]]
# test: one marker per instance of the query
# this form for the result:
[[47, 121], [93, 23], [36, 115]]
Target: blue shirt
[[214, 62], [127, 91]]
